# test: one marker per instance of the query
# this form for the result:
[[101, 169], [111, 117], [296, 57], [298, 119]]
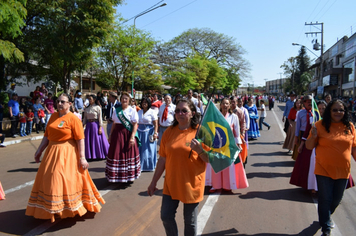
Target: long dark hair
[[146, 99], [194, 122], [346, 120]]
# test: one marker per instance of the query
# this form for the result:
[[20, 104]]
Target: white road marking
[[45, 226], [19, 187], [205, 212], [280, 125]]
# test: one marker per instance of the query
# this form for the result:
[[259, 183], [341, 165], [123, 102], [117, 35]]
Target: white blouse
[[148, 117], [234, 123], [130, 113]]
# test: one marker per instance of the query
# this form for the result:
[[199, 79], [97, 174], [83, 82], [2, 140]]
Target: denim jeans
[[261, 121], [48, 115], [29, 127], [22, 128], [330, 192], [168, 214]]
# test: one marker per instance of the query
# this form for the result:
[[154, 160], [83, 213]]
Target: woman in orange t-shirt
[[63, 187], [334, 140], [185, 169]]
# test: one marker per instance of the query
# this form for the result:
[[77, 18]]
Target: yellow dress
[[61, 188]]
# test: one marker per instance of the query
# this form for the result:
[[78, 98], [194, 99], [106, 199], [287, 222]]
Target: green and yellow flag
[[203, 99], [216, 133], [315, 111]]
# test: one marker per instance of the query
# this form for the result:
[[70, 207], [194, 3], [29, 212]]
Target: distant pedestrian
[[263, 115], [14, 110], [112, 105], [253, 132], [11, 90], [30, 116], [289, 141], [288, 107], [165, 115], [22, 119]]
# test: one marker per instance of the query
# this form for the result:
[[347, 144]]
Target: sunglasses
[[61, 101], [338, 110], [183, 111]]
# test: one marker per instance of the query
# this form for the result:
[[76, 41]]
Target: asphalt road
[[270, 206]]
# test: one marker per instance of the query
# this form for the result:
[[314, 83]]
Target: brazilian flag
[[315, 111], [203, 99], [216, 133]]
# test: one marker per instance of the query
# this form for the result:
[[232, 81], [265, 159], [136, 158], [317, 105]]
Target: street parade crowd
[[149, 135]]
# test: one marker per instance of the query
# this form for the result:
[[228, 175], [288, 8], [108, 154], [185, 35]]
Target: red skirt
[[123, 161]]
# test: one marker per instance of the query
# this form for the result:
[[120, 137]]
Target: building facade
[[275, 87]]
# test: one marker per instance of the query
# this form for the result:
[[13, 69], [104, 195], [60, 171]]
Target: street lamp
[[141, 14], [297, 44]]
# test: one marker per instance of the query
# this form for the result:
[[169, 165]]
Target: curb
[[15, 141]]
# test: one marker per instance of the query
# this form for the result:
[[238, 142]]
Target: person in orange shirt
[[185, 169], [63, 187], [334, 140]]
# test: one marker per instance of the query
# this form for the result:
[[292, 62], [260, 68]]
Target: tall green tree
[[61, 34], [127, 50], [298, 73], [12, 14], [210, 45]]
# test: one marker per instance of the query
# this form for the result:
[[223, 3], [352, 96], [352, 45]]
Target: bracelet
[[82, 158], [155, 133], [132, 138]]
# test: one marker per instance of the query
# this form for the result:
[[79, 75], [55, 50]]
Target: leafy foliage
[[127, 49], [12, 13], [296, 70], [199, 51]]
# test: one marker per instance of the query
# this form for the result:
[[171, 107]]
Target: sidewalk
[[33, 136]]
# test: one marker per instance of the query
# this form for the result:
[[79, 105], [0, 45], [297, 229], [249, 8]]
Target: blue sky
[[265, 29]]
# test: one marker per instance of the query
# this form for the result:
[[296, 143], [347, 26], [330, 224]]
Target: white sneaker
[[2, 145]]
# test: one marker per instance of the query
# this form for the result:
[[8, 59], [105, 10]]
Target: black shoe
[[269, 127]]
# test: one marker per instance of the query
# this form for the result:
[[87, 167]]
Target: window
[[86, 84], [349, 72]]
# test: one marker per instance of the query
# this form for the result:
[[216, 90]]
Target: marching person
[[96, 143], [147, 132], [166, 115], [123, 162], [334, 141], [63, 187], [184, 173], [113, 104]]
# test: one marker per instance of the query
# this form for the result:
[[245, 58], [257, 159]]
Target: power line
[[170, 13]]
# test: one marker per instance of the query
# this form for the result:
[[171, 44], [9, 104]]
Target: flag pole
[[201, 120]]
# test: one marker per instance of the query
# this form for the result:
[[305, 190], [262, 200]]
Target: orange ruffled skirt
[[61, 188]]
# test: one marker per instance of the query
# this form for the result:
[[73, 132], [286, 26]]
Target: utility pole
[[315, 47]]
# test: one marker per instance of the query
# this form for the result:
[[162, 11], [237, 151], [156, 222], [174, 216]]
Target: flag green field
[[216, 133]]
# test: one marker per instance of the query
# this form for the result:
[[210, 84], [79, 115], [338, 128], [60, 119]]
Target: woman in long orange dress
[[63, 186]]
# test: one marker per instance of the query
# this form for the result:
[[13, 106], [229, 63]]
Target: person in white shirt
[[263, 116], [194, 100], [165, 115], [200, 103]]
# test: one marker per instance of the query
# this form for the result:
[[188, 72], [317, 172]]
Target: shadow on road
[[159, 192], [24, 170], [297, 195], [275, 164], [11, 220], [267, 175], [254, 142]]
